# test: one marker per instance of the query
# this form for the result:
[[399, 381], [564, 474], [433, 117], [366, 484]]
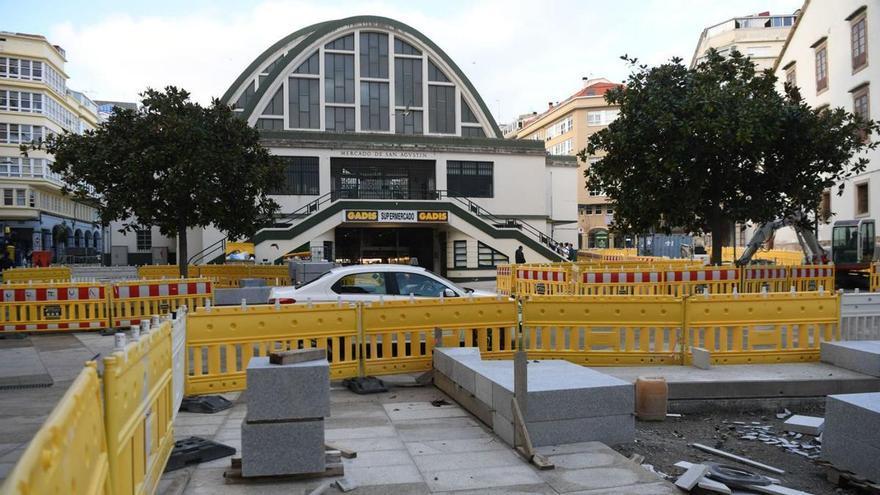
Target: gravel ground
[[665, 443]]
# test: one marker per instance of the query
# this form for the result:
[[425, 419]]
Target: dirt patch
[[665, 443]]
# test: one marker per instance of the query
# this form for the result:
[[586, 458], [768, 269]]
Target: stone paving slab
[[453, 455], [21, 366], [366, 426]]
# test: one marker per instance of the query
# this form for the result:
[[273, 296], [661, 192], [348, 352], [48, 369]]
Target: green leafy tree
[[700, 148], [172, 164]]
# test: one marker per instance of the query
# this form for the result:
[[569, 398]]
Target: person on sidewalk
[[519, 256]]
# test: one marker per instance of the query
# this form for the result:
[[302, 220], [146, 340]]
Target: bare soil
[[665, 443]]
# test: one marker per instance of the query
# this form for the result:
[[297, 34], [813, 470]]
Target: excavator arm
[[813, 252]]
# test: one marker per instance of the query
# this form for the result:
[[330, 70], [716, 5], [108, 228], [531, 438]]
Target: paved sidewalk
[[23, 411], [406, 445]]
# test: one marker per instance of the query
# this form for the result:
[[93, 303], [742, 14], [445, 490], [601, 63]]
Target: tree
[[700, 148], [172, 164]]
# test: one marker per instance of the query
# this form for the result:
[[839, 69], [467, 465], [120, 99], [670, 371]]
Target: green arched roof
[[316, 31]]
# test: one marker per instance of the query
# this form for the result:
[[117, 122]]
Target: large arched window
[[361, 74]]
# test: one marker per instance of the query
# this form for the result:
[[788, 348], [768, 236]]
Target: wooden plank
[[346, 453]]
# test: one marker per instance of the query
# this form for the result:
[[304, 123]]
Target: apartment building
[[827, 56], [35, 103], [564, 128], [760, 37]]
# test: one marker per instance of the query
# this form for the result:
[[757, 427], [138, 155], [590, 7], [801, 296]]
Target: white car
[[372, 283]]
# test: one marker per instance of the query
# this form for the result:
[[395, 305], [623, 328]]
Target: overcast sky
[[518, 54]]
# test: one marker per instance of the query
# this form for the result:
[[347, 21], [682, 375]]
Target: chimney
[[585, 81], [549, 105]]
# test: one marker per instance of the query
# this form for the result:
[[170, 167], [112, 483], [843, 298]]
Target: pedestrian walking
[[519, 256]]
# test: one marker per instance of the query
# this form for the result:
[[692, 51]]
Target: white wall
[[828, 19], [518, 180]]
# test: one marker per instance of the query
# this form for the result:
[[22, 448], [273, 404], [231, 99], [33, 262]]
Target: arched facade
[[377, 127], [360, 74]]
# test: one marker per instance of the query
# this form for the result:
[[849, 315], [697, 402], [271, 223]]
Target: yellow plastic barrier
[[875, 277], [68, 454], [131, 301], [543, 279], [223, 276], [806, 278], [712, 279], [505, 279], [398, 336], [770, 277], [138, 396], [161, 271], [632, 281], [603, 330], [53, 307], [761, 328], [221, 341], [37, 274], [274, 275]]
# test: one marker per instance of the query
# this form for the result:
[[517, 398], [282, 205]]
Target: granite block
[[483, 388], [848, 415], [233, 297], [808, 425], [288, 391], [701, 358], [862, 356], [559, 390], [464, 376], [503, 427], [850, 454], [281, 448], [610, 430], [442, 362], [251, 282], [501, 400]]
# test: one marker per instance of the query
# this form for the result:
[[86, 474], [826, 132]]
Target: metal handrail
[[204, 253], [316, 205]]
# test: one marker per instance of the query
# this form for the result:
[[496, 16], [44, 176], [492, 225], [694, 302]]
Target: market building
[[391, 155], [564, 129], [35, 103]]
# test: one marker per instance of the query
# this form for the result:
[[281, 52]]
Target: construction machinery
[[853, 248]]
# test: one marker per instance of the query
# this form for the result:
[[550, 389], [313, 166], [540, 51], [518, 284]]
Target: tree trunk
[[182, 256], [717, 236]]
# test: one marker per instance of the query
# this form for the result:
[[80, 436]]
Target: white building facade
[[828, 57], [391, 155], [35, 103]]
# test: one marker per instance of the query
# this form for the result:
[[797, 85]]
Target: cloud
[[519, 54]]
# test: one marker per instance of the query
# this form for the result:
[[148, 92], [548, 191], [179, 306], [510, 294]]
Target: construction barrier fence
[[137, 299], [110, 434], [139, 397], [360, 338], [75, 306], [874, 277], [597, 330], [37, 274], [53, 307], [675, 279], [223, 276], [68, 454], [762, 328]]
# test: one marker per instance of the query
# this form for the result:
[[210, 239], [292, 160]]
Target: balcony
[[28, 169]]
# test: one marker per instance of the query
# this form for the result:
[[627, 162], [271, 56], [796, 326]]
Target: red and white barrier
[[621, 277], [63, 297]]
